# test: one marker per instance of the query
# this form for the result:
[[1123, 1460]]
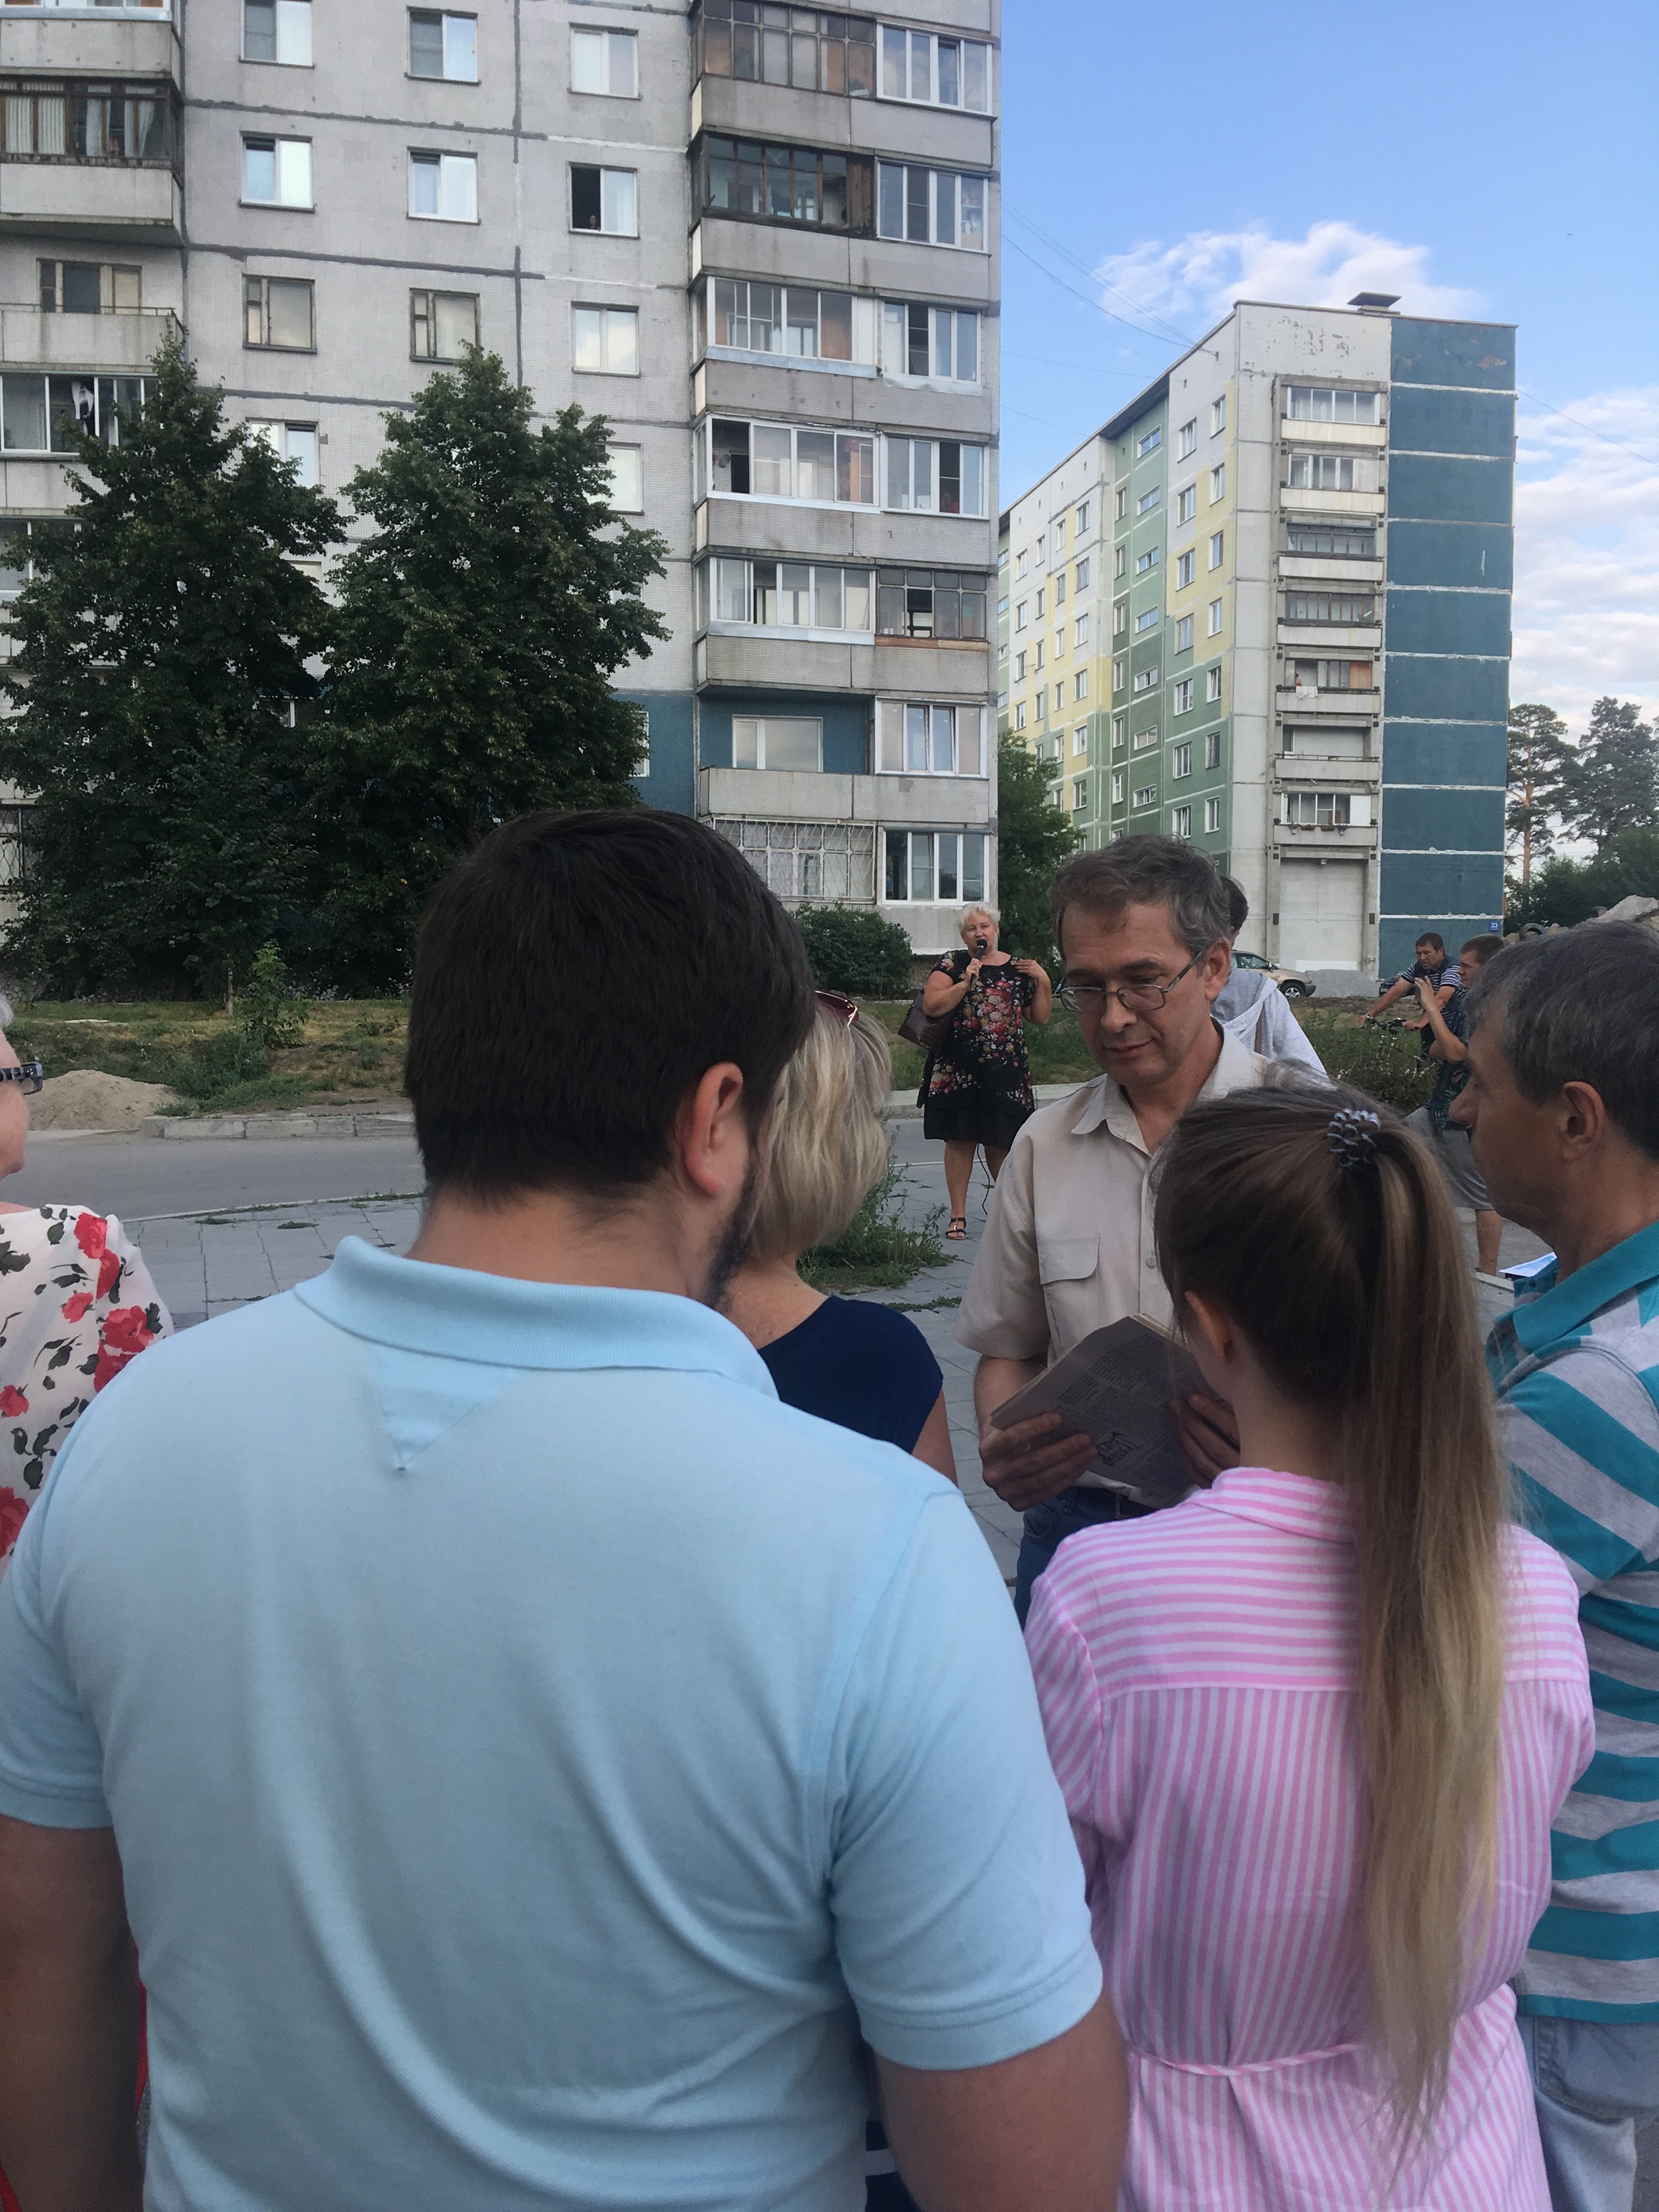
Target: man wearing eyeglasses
[[1145, 928]]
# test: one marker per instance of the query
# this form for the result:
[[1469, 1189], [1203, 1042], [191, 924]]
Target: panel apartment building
[[1267, 608], [761, 239]]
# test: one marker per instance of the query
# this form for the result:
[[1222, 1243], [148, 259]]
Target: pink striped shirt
[[1196, 1671]]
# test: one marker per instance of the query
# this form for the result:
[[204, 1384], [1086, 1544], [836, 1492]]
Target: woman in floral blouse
[[77, 1304], [977, 1090]]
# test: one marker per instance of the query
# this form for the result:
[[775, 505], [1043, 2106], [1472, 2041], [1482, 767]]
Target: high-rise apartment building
[[761, 239], [1267, 608]]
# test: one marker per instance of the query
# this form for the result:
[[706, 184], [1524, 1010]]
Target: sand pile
[[87, 1099]]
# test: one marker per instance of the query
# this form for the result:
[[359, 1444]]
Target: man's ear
[[711, 1137], [1581, 1120], [1218, 966]]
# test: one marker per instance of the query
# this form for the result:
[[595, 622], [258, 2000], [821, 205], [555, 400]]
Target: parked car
[[1293, 987]]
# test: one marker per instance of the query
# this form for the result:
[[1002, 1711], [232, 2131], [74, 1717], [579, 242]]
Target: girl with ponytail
[[1313, 1724]]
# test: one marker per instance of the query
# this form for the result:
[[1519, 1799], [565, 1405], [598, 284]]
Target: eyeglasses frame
[[1068, 994], [28, 1074]]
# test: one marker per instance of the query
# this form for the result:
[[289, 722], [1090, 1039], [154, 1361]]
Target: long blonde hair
[[829, 1146], [1350, 1283]]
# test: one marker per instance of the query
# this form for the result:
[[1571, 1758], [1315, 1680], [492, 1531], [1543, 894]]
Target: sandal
[[956, 1229]]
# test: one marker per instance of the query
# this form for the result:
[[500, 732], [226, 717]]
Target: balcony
[[1332, 637], [80, 157], [1299, 430], [1296, 704], [917, 668], [1297, 499], [1344, 572], [797, 795], [121, 40], [123, 344]]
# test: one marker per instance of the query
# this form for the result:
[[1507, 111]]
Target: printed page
[[1115, 1387]]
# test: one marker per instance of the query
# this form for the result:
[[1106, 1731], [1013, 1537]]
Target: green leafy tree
[[478, 628], [160, 670], [1033, 838], [1569, 891], [1612, 782], [854, 950], [1539, 756]]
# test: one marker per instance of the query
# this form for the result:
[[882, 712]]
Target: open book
[[1115, 1387]]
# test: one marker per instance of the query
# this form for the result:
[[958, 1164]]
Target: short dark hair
[[1146, 871], [1477, 949], [575, 978], [1582, 1005], [1430, 936], [1238, 906]]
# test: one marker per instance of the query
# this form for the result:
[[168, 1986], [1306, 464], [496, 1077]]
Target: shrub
[[216, 1064], [854, 950], [877, 1245], [1386, 1063], [268, 1013]]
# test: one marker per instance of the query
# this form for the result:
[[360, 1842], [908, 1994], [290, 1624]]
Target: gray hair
[[1581, 1006], [1147, 871], [978, 906]]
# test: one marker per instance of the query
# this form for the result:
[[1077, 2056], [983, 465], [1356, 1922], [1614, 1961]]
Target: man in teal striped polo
[[1563, 1104]]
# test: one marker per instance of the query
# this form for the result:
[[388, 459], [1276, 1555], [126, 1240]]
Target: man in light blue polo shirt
[[529, 1757]]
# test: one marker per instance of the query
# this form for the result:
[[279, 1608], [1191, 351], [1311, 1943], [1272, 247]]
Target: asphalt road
[[140, 1177]]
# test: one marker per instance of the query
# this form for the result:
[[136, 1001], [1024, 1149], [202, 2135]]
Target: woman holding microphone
[[977, 1087]]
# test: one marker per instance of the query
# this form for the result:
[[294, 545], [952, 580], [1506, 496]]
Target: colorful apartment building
[[1267, 608]]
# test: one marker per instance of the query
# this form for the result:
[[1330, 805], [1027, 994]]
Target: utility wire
[[1164, 329], [1588, 429]]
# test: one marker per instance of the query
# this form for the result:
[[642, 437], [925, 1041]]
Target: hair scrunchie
[[1352, 1136]]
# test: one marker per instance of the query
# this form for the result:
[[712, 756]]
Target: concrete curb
[[901, 1104], [278, 1124]]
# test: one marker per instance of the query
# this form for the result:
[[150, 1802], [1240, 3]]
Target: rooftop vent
[[1375, 303]]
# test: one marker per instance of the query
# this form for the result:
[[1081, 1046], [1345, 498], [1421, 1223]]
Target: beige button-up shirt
[[1068, 1245]]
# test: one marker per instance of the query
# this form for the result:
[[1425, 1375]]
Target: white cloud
[[1206, 271], [1587, 553]]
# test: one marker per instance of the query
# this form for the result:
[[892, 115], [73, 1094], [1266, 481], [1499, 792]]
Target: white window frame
[[1148, 500], [1080, 626], [1186, 569], [1212, 817], [1217, 548], [1181, 760], [1324, 810], [729, 578], [1218, 483], [609, 191], [1084, 509], [758, 724], [1145, 795], [290, 29], [1183, 696], [1080, 575], [1333, 409], [1187, 441], [627, 479], [597, 61], [291, 181], [1217, 415], [455, 181], [1120, 786], [1080, 684], [1180, 822], [292, 441], [1079, 795], [1146, 681], [1120, 674], [899, 467], [908, 67], [1148, 560], [1122, 501], [1148, 618], [1120, 731], [929, 841], [1212, 749], [942, 334], [1150, 443], [963, 189], [1218, 616], [622, 317], [1183, 638], [1212, 685], [1080, 742], [1187, 503], [930, 738], [456, 43]]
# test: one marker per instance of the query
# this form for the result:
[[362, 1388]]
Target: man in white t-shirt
[[1250, 1005]]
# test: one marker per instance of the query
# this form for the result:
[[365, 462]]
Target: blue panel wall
[[673, 782], [1447, 487], [1449, 622], [1480, 556], [1474, 356], [1438, 820], [1452, 422], [1443, 752], [846, 726], [1425, 687]]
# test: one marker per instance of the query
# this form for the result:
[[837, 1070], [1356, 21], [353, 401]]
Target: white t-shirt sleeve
[[955, 1885], [52, 1763], [1283, 1037]]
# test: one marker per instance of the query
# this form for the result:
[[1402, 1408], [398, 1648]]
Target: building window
[[1148, 619], [1019, 714], [1060, 592], [780, 461], [788, 184], [604, 199], [1217, 548], [1123, 502], [1218, 483], [934, 864], [1332, 675], [924, 476], [943, 72], [817, 53], [89, 287], [1213, 752], [443, 45], [1019, 668], [1185, 567], [1119, 782], [809, 859], [1121, 565], [1082, 516], [785, 595], [800, 321], [1147, 680], [1079, 684], [1120, 675], [1183, 695], [1120, 731], [1149, 559], [1042, 548], [1188, 439], [1120, 617], [1150, 443], [42, 413], [1079, 795], [917, 738], [1036, 658], [1148, 500], [1146, 795], [776, 741], [1081, 576], [930, 207], [1183, 639], [279, 312], [291, 441], [921, 341], [1187, 503], [1025, 560], [1215, 618], [1081, 627], [1212, 817], [1039, 601], [606, 340], [1306, 404], [1180, 822], [1339, 544], [277, 31], [1020, 612], [444, 188], [442, 325], [1145, 738], [626, 480], [1329, 607], [1080, 741], [1212, 687], [1042, 704], [1317, 809], [606, 62], [1181, 761], [1218, 414], [1330, 472], [277, 171], [941, 602]]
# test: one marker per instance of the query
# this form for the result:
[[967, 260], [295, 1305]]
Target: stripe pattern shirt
[[1197, 1674], [1576, 1371]]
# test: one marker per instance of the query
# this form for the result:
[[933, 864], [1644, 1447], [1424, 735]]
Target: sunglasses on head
[[843, 1008]]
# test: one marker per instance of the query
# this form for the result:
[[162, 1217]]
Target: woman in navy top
[[858, 1365]]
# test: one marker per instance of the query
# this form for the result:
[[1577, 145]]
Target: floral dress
[[985, 1050], [77, 1304]]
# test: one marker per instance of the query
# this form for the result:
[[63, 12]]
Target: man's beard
[[733, 1248]]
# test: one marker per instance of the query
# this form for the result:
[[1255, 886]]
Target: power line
[[1054, 278], [1164, 329], [1589, 429]]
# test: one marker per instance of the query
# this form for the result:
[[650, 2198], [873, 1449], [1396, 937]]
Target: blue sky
[[1476, 159]]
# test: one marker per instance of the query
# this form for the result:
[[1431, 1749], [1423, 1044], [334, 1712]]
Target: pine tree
[[1539, 756], [1612, 782], [160, 667], [478, 628], [1033, 838]]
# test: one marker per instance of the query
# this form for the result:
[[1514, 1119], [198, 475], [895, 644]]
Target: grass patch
[[878, 1249], [918, 1305], [1057, 1053], [348, 1051], [1386, 1064]]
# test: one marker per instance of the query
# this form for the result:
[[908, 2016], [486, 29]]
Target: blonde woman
[[1313, 1725], [847, 1360], [977, 1087]]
